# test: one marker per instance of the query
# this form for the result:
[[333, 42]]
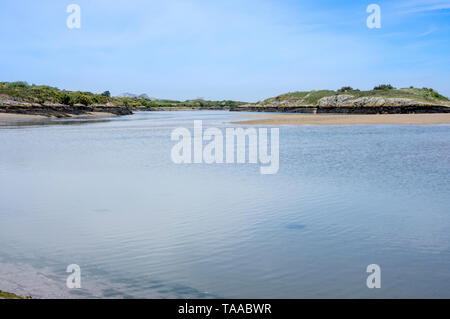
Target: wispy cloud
[[426, 33], [425, 6]]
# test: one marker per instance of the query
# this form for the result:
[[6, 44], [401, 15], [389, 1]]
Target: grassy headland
[[382, 99], [47, 95], [312, 98]]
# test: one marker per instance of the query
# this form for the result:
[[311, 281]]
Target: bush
[[95, 100], [106, 94], [345, 89], [19, 84], [66, 99], [384, 87], [83, 99], [148, 103]]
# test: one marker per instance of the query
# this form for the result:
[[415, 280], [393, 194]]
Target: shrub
[[66, 99], [384, 87], [83, 99], [19, 84], [345, 89], [106, 94], [94, 99], [148, 103]]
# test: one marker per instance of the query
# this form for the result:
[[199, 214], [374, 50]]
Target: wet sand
[[18, 117], [94, 115], [345, 119]]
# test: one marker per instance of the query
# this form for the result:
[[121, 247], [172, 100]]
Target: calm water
[[106, 196]]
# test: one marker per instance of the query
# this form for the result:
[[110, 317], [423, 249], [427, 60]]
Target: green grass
[[315, 96], [422, 95], [425, 95], [42, 94], [8, 295]]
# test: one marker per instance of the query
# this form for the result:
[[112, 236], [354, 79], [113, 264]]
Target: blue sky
[[233, 49]]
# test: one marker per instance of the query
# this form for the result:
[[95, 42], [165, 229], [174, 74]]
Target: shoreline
[[10, 295], [18, 117], [345, 119], [178, 108]]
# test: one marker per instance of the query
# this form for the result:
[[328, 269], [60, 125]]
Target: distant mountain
[[142, 96], [128, 95], [146, 97]]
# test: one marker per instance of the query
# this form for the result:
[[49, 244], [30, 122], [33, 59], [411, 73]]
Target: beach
[[18, 117], [325, 119]]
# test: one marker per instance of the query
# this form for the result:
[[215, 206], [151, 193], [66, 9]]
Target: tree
[[345, 89], [384, 87], [107, 94]]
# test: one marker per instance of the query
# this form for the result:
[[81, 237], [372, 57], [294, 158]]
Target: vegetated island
[[41, 100], [383, 99]]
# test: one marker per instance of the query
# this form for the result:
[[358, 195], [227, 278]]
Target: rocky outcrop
[[351, 109], [336, 100], [8, 105], [347, 104], [349, 100]]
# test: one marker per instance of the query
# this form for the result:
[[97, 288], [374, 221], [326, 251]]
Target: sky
[[245, 50]]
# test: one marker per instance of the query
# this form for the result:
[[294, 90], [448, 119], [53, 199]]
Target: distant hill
[[128, 95]]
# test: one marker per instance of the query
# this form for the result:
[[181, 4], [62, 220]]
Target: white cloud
[[425, 6]]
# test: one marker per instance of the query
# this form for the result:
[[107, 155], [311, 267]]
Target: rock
[[349, 100], [336, 100], [369, 101], [402, 102], [9, 104]]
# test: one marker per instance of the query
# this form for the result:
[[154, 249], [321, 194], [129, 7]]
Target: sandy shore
[[345, 119], [18, 117], [94, 115], [12, 117]]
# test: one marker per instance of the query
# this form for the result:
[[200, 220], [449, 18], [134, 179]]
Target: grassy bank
[[421, 95], [39, 95], [43, 94], [8, 295]]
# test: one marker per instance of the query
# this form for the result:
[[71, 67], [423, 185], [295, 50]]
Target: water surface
[[105, 195]]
